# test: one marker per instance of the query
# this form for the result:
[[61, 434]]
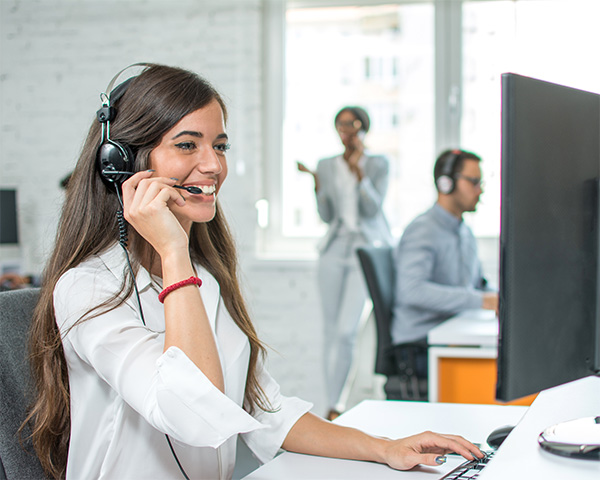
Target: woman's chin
[[199, 214], [205, 216]]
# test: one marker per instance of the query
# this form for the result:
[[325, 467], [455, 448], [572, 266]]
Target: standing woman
[[145, 360], [350, 190]]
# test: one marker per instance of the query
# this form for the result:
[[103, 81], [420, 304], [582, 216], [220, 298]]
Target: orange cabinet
[[462, 360], [470, 380]]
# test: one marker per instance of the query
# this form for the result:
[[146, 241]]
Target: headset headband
[[114, 160], [115, 78], [106, 112], [450, 162]]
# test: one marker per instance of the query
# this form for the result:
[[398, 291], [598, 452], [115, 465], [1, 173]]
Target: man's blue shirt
[[438, 274]]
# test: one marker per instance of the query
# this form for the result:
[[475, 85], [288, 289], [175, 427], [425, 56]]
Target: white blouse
[[126, 394], [346, 185]]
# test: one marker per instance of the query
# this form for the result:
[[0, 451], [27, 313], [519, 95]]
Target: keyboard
[[469, 469]]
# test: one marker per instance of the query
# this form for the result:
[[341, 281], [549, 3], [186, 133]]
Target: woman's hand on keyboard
[[427, 448]]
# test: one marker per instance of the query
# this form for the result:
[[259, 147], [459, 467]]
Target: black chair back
[[378, 268], [16, 461]]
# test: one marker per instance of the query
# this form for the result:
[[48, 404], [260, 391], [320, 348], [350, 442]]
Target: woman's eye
[[222, 147], [186, 145]]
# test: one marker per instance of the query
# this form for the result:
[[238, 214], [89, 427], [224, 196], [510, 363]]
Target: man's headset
[[446, 182], [114, 160]]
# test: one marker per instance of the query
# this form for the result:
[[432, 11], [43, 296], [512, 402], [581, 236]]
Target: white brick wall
[[55, 59], [285, 304], [57, 56]]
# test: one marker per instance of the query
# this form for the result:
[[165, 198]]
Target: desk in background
[[462, 359], [518, 457]]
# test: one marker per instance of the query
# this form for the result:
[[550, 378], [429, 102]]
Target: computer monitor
[[8, 217], [548, 310]]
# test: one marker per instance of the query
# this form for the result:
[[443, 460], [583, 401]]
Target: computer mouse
[[498, 435]]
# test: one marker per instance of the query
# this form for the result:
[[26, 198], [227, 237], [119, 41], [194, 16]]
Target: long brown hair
[[153, 103]]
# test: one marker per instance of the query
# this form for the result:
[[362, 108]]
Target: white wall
[[55, 59], [57, 56]]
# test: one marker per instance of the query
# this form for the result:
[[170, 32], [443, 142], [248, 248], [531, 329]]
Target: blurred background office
[[428, 71]]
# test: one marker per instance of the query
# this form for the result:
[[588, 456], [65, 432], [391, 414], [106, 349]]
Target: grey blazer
[[370, 195]]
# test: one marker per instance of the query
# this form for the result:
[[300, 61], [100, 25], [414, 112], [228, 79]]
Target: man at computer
[[438, 272]]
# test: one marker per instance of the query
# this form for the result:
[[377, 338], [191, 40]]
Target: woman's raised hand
[[304, 168], [147, 201]]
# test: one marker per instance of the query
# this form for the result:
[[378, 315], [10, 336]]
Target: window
[[428, 73], [381, 58], [378, 57], [508, 36]]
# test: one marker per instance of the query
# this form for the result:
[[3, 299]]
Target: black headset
[[114, 160], [446, 182]]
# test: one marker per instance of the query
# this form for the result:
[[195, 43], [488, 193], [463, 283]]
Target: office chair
[[17, 461], [397, 362]]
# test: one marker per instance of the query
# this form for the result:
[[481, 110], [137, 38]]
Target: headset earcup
[[113, 156], [445, 184]]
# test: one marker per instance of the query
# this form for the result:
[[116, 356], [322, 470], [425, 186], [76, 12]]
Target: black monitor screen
[[549, 330], [8, 217]]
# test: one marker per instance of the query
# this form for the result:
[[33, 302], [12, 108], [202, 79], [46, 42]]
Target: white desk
[[518, 457], [394, 419], [472, 334], [469, 328]]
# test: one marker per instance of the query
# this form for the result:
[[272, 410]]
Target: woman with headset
[[350, 189], [145, 360]]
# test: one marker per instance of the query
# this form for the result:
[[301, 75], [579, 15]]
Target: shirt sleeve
[[324, 194], [373, 187], [286, 412], [166, 389], [415, 259]]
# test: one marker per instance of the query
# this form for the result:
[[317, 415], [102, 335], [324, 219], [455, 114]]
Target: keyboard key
[[469, 474], [470, 469]]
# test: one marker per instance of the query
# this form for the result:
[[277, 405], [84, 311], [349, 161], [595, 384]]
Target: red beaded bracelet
[[175, 286]]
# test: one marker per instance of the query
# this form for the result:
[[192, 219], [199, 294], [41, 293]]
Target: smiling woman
[[193, 154], [84, 307], [125, 360]]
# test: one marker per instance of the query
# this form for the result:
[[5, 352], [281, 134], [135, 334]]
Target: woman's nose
[[209, 162]]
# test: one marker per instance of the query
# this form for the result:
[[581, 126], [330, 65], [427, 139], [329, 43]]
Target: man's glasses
[[475, 181]]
